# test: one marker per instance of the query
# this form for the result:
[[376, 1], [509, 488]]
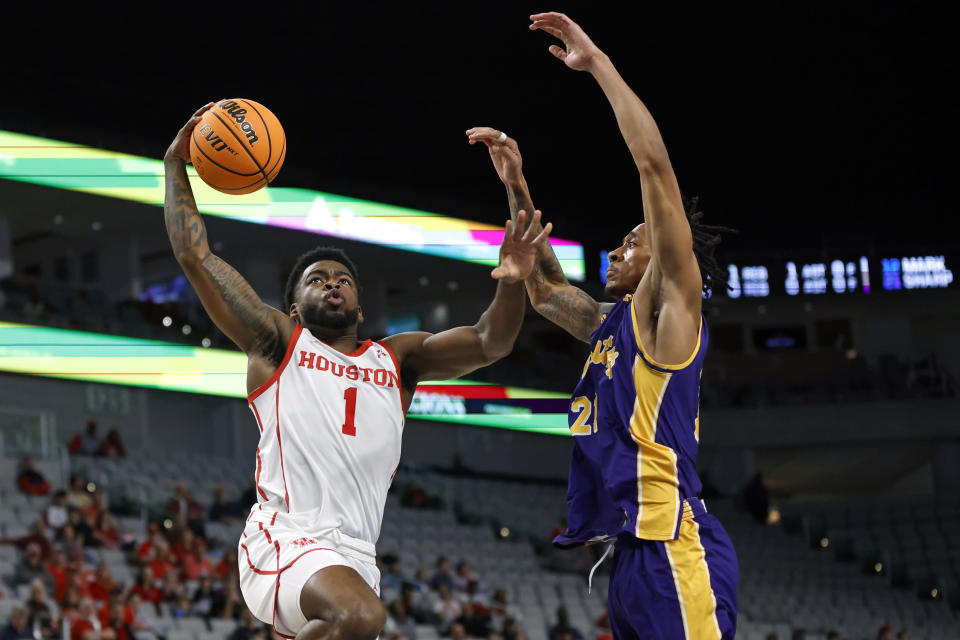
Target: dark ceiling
[[800, 125]]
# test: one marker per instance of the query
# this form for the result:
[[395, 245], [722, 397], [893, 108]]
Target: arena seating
[[786, 582]]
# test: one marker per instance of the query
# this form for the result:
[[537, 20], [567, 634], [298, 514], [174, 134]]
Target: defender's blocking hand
[[519, 249], [578, 51]]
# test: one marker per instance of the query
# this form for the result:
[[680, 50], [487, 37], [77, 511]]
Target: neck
[[343, 340]]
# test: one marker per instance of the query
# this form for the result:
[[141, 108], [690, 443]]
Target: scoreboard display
[[840, 275]]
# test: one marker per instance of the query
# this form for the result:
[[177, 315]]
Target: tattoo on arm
[[184, 225], [243, 303], [547, 267], [573, 309]]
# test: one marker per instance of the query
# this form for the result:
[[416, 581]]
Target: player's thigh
[[339, 593]]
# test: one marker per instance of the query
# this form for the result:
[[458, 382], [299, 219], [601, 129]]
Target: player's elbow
[[189, 259]]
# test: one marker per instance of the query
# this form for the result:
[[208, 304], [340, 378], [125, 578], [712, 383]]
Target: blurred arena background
[[830, 440]]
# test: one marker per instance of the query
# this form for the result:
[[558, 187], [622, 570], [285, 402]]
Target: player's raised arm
[[550, 292], [671, 242], [458, 351], [230, 301]]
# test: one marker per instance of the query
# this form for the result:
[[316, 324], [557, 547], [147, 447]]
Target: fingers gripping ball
[[238, 146]]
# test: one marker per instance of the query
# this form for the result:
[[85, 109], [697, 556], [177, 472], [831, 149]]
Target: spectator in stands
[[31, 481], [420, 580], [196, 564], [86, 621], [227, 565], [146, 549], [103, 583], [249, 628], [223, 510], [184, 510], [78, 497], [563, 628], [41, 612], [70, 607], [56, 513], [885, 633], [81, 527], [446, 607], [19, 626], [457, 631], [474, 621], [85, 444], [417, 604], [69, 540], [91, 512], [112, 446], [106, 533], [510, 630], [501, 608], [32, 568], [146, 587], [180, 607], [206, 602], [400, 622], [57, 568], [443, 577], [463, 576], [119, 620]]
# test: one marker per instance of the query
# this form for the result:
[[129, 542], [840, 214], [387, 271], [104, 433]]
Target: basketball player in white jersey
[[330, 411]]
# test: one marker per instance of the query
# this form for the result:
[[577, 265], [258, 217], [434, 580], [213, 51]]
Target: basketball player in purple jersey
[[330, 412], [635, 411]]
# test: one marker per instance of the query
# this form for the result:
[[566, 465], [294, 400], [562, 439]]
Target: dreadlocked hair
[[705, 240]]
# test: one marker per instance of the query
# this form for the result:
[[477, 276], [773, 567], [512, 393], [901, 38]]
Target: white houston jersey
[[330, 430]]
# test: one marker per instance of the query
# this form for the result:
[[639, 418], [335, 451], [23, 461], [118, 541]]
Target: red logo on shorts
[[303, 542]]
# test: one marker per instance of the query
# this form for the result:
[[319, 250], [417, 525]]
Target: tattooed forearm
[[547, 267], [572, 309], [185, 227]]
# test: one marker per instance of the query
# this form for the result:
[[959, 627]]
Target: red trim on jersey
[[396, 366], [273, 520], [359, 351], [256, 414], [271, 572], [276, 374], [286, 494]]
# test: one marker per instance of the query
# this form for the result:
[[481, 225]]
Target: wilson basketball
[[238, 146]]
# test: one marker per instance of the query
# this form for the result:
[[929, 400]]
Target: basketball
[[238, 146]]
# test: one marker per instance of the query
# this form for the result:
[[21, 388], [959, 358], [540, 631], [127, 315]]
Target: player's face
[[628, 263], [328, 297]]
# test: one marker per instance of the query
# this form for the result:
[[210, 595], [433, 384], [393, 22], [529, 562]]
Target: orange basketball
[[238, 146]]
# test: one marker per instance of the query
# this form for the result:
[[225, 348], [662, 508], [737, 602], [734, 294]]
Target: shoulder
[[404, 344]]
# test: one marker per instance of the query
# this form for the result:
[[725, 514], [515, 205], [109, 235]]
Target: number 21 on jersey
[[585, 410]]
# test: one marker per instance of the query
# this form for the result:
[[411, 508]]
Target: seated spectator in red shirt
[[184, 544], [70, 607], [162, 561], [196, 564], [57, 568], [86, 620], [91, 512], [103, 583], [31, 481], [145, 550], [85, 444], [184, 510], [115, 616], [227, 565], [106, 531], [146, 588], [112, 446]]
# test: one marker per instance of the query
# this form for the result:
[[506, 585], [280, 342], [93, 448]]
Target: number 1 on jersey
[[350, 395]]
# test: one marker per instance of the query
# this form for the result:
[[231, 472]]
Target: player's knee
[[363, 620]]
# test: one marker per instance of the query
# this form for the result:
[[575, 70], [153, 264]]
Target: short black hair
[[307, 259], [705, 240]]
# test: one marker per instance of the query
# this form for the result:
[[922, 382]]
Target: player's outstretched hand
[[180, 147], [505, 155], [578, 51], [519, 249]]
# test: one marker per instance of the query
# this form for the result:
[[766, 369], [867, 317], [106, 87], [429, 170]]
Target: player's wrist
[[597, 62]]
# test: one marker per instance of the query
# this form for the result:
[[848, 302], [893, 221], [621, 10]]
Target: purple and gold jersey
[[636, 427]]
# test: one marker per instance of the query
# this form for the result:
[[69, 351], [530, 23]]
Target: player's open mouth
[[333, 299]]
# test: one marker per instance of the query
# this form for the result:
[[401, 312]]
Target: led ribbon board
[[107, 173], [95, 357]]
